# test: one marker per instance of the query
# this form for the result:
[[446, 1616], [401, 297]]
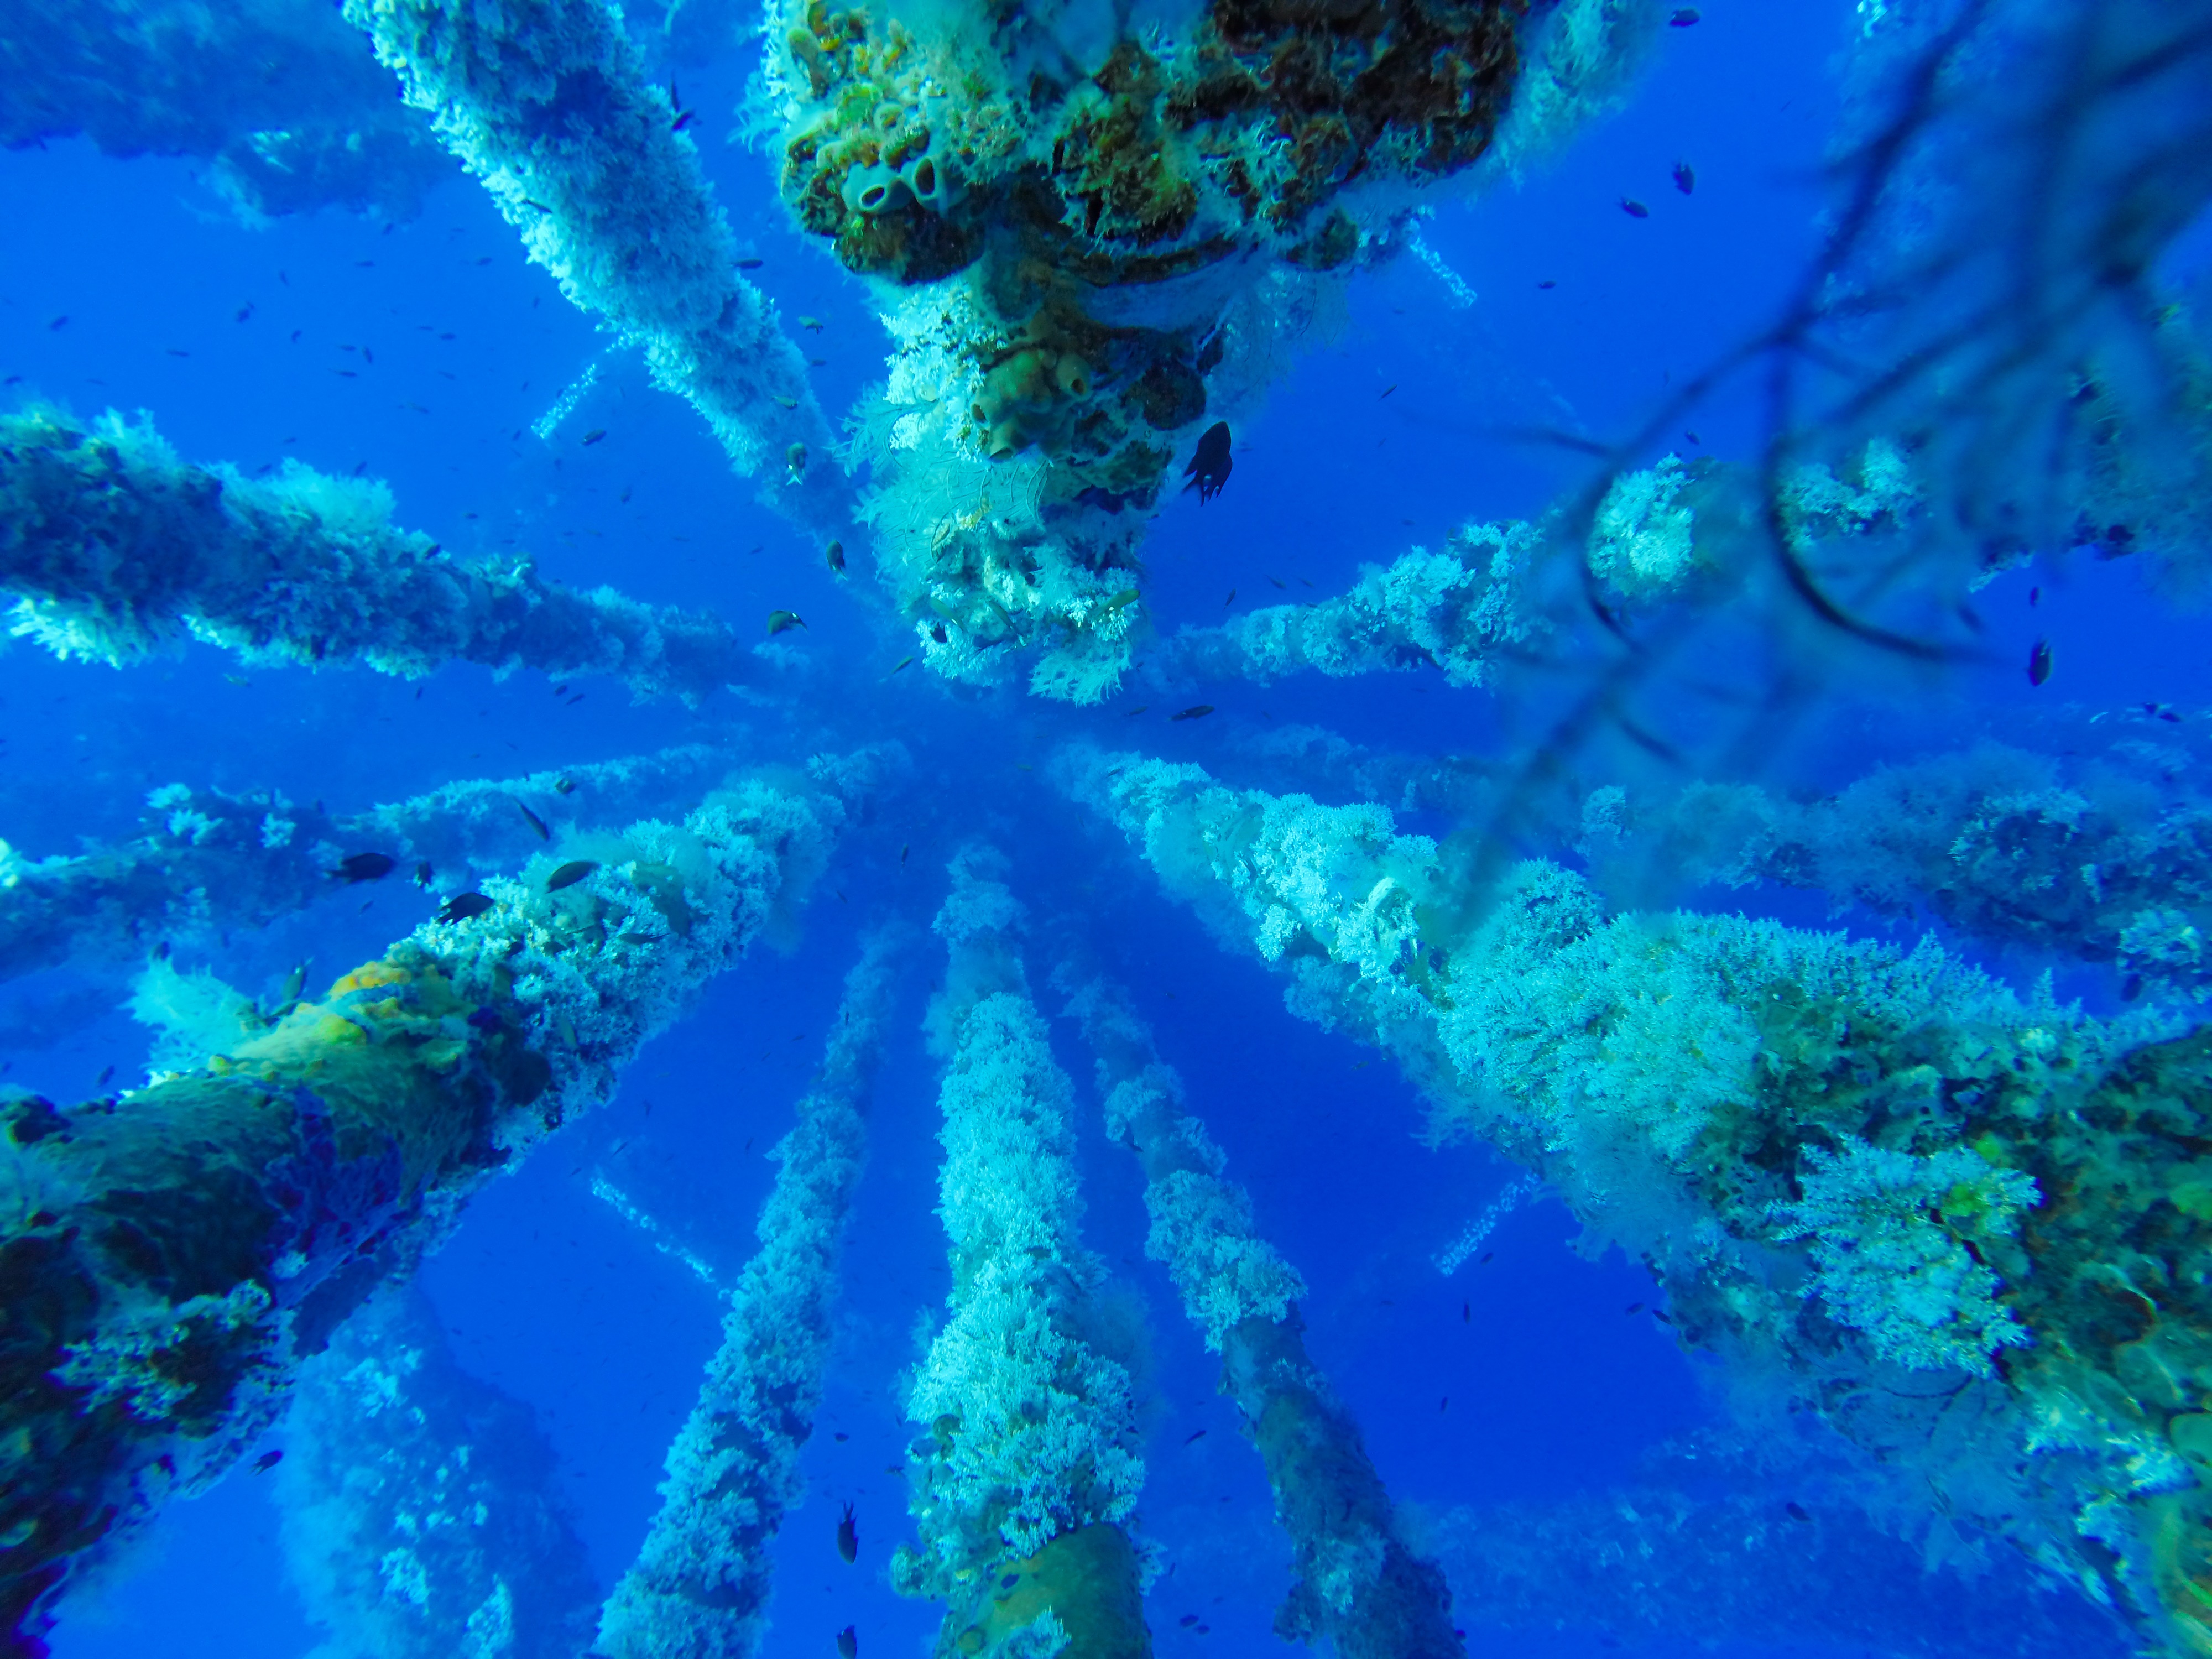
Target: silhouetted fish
[[1634, 209], [1197, 711], [267, 1460], [1685, 177], [2038, 662], [1209, 468], [848, 1643], [536, 822], [363, 866], [570, 874], [462, 906], [848, 1537], [778, 621]]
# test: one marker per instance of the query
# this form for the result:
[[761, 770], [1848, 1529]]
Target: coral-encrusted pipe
[[1026, 1469], [548, 102], [204, 859], [700, 1588], [114, 548], [166, 1257], [1973, 1229], [1358, 1583]]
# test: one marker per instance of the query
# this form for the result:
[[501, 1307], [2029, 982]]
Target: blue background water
[[1521, 1380]]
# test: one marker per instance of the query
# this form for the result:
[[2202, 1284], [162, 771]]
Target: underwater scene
[[1105, 828]]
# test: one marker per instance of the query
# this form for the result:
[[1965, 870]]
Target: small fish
[[1466, 1313], [1796, 1512], [848, 1643], [682, 120], [2034, 597], [363, 866], [1634, 1308], [834, 553], [900, 664], [244, 311], [1387, 390], [810, 323], [536, 822], [1138, 710], [787, 403], [778, 621], [1193, 1439], [1230, 600], [1280, 583], [294, 982], [423, 874], [1197, 711], [463, 907], [1634, 209], [2038, 662], [570, 874], [1546, 281], [1685, 177], [1210, 466], [1488, 1256], [540, 206], [1684, 17], [61, 321], [904, 847], [238, 679], [1690, 434], [750, 264], [937, 632], [2131, 988], [1664, 1319], [106, 1074], [795, 457], [267, 1460], [848, 1537], [594, 435]]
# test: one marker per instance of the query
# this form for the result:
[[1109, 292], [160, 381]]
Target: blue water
[[1520, 1380]]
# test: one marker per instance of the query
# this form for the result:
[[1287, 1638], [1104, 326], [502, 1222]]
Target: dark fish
[[1796, 1512], [848, 1643], [2131, 988], [937, 632], [594, 435], [848, 1537], [1193, 1439], [464, 906], [245, 311], [1634, 209], [1387, 390], [423, 874], [363, 866], [900, 664], [1691, 436], [778, 621], [1547, 283], [294, 982], [1683, 18], [570, 874], [1466, 1313], [1230, 600], [835, 553], [1662, 1318], [564, 786], [106, 1074], [1634, 1308], [750, 264], [2038, 662], [1487, 1257], [267, 1460], [536, 822], [1685, 177], [2034, 597], [1209, 468], [1138, 710], [904, 847], [1197, 711], [59, 322], [682, 120]]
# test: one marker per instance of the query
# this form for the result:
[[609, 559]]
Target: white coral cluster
[[1892, 1232]]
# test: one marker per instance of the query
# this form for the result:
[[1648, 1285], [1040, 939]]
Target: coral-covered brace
[[168, 1256]]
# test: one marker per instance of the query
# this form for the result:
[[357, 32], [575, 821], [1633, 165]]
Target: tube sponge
[[115, 548], [548, 103], [701, 1583], [183, 1252], [1028, 1465]]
